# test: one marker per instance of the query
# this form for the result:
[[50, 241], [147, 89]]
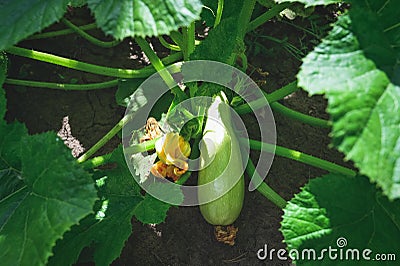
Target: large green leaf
[[108, 229], [10, 158], [363, 94], [19, 19], [154, 211], [57, 193], [335, 209], [126, 18]]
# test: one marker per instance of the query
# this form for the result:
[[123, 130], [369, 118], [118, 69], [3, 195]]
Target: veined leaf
[[362, 100], [342, 213], [154, 211], [110, 227], [57, 193], [20, 19], [129, 18], [10, 158]]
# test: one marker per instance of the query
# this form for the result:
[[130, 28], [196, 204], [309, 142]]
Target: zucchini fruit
[[220, 163]]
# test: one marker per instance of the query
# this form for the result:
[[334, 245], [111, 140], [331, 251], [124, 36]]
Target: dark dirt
[[184, 238]]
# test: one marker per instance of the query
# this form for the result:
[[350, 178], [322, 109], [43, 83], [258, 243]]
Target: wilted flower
[[173, 152]]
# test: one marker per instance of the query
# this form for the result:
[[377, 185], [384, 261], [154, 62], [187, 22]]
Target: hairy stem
[[88, 37], [91, 68], [263, 188], [62, 86], [300, 157]]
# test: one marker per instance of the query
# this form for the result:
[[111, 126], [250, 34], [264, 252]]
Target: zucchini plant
[[80, 204]]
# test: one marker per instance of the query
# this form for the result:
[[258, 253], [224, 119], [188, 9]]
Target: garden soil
[[184, 238]]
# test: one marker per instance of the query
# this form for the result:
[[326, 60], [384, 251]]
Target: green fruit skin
[[226, 209]]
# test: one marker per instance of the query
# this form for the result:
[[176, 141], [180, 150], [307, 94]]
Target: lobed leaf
[[110, 227], [337, 208], [20, 19], [57, 193], [362, 90], [130, 18]]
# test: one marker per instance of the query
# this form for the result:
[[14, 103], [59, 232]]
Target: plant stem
[[188, 41], [219, 13], [300, 157], [244, 18], [272, 97], [167, 45], [88, 37], [275, 10], [61, 32], [263, 188], [95, 69], [307, 119], [272, 100], [97, 161], [177, 38], [156, 62], [142, 147], [191, 40], [62, 86], [164, 73], [104, 139]]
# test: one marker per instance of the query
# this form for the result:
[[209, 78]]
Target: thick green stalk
[[300, 157], [275, 10], [97, 161], [263, 188], [156, 62], [142, 147], [272, 97], [51, 34], [104, 139], [219, 13], [88, 37], [245, 17], [62, 86], [191, 40], [243, 21], [307, 119], [91, 68], [278, 95]]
